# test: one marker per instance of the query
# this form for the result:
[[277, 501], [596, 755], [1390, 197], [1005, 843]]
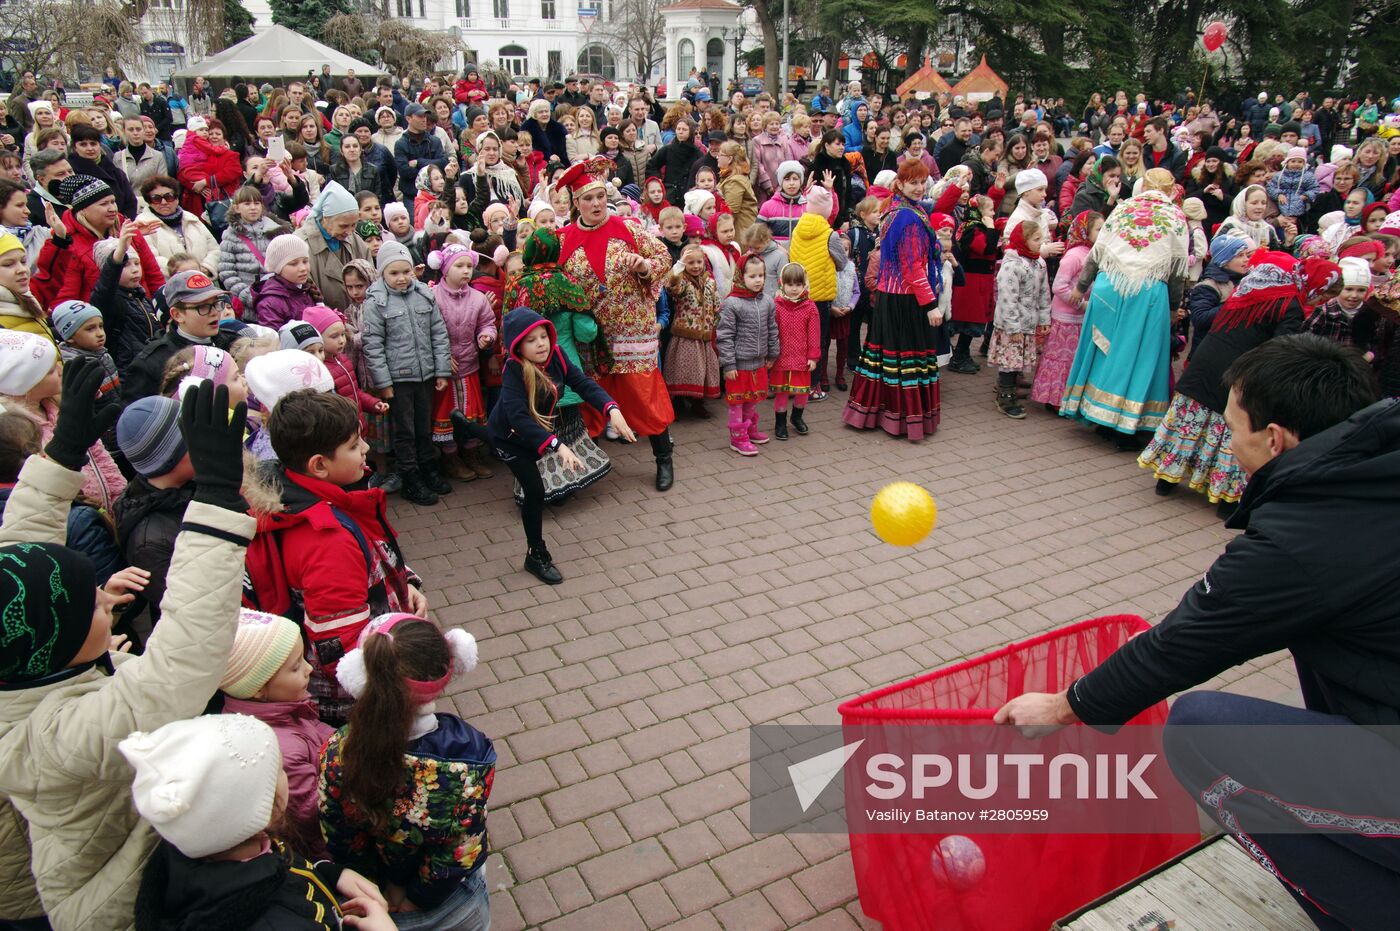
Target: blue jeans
[[1341, 877], [468, 908]]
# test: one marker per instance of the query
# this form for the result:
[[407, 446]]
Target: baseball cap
[[191, 288]]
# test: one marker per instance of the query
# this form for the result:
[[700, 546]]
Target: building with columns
[[706, 35]]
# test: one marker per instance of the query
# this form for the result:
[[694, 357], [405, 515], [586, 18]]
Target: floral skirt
[[747, 385], [560, 483], [1013, 352], [895, 386], [1192, 445], [692, 368], [1055, 361], [463, 393]]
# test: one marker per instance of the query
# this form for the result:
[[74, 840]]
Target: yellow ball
[[903, 513]]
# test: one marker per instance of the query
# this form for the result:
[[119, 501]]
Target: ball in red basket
[[957, 861], [903, 513]]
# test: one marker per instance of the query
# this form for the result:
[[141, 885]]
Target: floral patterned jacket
[[436, 835]]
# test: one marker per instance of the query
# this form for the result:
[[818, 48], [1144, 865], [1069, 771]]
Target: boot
[[697, 409], [798, 423], [475, 458], [962, 358], [539, 564], [1165, 488], [464, 431], [1226, 509], [756, 436], [739, 442], [432, 478], [415, 491], [780, 425], [1007, 402], [456, 468], [662, 448], [986, 346]]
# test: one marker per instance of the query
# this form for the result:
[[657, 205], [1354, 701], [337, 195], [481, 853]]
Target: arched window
[[514, 60], [595, 59], [714, 58], [685, 55]]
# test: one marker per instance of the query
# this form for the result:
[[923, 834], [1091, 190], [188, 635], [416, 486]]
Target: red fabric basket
[[1031, 879]]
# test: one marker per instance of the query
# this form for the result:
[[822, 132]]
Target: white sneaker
[[610, 433]]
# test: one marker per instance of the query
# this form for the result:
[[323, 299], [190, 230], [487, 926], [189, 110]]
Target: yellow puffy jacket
[[808, 248]]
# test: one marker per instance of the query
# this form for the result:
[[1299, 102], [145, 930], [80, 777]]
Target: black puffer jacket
[[672, 163], [148, 520], [1313, 573]]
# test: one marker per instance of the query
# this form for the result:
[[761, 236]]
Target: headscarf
[[1308, 247], [368, 229], [1142, 242], [1275, 280], [1258, 230], [1370, 209], [541, 285], [1017, 243], [654, 210], [1078, 232], [736, 288], [1356, 220], [503, 177]]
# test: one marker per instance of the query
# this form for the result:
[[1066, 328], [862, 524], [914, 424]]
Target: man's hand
[[1037, 713], [79, 423], [214, 438]]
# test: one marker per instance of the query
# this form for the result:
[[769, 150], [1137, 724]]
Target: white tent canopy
[[277, 53]]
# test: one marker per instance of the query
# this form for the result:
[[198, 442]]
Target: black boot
[[1007, 402], [798, 423], [464, 431], [780, 425], [415, 491], [433, 478], [539, 564], [662, 448], [1165, 488], [1226, 509], [962, 357]]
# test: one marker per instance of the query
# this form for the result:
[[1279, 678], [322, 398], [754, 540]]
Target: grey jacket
[[747, 333], [404, 337], [239, 268]]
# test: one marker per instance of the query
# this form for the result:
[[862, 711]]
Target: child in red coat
[[335, 338], [799, 348]]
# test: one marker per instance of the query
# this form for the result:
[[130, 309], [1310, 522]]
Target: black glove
[[215, 441], [80, 423]]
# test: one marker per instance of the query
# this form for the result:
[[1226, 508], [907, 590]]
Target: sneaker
[[391, 483], [817, 395], [611, 433]]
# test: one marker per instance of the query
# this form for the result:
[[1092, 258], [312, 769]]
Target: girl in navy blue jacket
[[521, 425]]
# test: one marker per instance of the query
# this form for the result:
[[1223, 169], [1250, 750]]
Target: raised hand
[[79, 423], [214, 438]]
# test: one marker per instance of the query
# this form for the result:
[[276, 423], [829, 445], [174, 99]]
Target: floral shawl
[[1143, 241]]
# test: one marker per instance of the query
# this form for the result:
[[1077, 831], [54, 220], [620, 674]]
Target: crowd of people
[[365, 289]]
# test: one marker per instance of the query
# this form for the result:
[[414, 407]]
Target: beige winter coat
[[327, 267], [60, 770], [194, 239]]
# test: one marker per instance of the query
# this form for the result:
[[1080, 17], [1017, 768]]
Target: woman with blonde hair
[[1370, 158], [735, 186], [1130, 160], [800, 140], [583, 138]]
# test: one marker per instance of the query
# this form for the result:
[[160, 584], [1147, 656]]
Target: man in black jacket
[[1158, 150], [1312, 573]]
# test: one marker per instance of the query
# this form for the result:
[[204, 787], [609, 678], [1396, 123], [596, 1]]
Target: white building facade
[[707, 35]]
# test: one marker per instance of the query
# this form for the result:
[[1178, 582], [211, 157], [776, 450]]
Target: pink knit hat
[[261, 644], [284, 249], [1297, 152], [819, 201], [321, 317], [451, 254]]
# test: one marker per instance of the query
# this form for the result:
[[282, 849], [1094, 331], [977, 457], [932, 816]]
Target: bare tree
[[637, 32], [51, 36], [400, 47]]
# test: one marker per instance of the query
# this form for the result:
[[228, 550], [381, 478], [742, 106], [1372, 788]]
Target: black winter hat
[[80, 191], [47, 594]]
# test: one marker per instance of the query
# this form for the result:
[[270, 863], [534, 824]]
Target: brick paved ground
[[755, 592]]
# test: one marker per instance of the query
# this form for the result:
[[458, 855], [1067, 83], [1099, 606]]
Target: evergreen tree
[[307, 17], [238, 23]]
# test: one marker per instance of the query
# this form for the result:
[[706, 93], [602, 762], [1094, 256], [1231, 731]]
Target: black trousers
[[820, 378], [527, 473], [411, 419]]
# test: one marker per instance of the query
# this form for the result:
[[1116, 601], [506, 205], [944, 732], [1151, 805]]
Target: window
[[501, 8], [685, 54], [513, 59], [546, 9], [464, 9], [556, 64], [595, 59], [404, 8], [714, 57]]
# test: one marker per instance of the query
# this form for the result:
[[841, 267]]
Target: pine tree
[[238, 23], [307, 17]]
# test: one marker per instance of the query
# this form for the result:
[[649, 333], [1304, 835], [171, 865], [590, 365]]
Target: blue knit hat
[[1224, 248], [69, 317], [148, 433]]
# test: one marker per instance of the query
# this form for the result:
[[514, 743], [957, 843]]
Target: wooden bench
[[1214, 886]]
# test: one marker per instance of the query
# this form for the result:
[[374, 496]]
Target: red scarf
[[1017, 243], [650, 209], [737, 289], [594, 243]]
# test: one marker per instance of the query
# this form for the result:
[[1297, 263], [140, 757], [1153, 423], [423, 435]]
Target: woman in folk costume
[[1065, 320], [1120, 377], [1192, 444], [620, 267], [546, 290], [896, 381]]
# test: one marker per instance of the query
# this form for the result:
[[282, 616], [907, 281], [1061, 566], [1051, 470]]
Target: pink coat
[[1066, 279], [468, 316], [102, 480], [799, 334], [768, 153], [302, 736]]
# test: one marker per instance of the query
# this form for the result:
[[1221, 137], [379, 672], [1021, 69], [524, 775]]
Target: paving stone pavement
[[755, 592]]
